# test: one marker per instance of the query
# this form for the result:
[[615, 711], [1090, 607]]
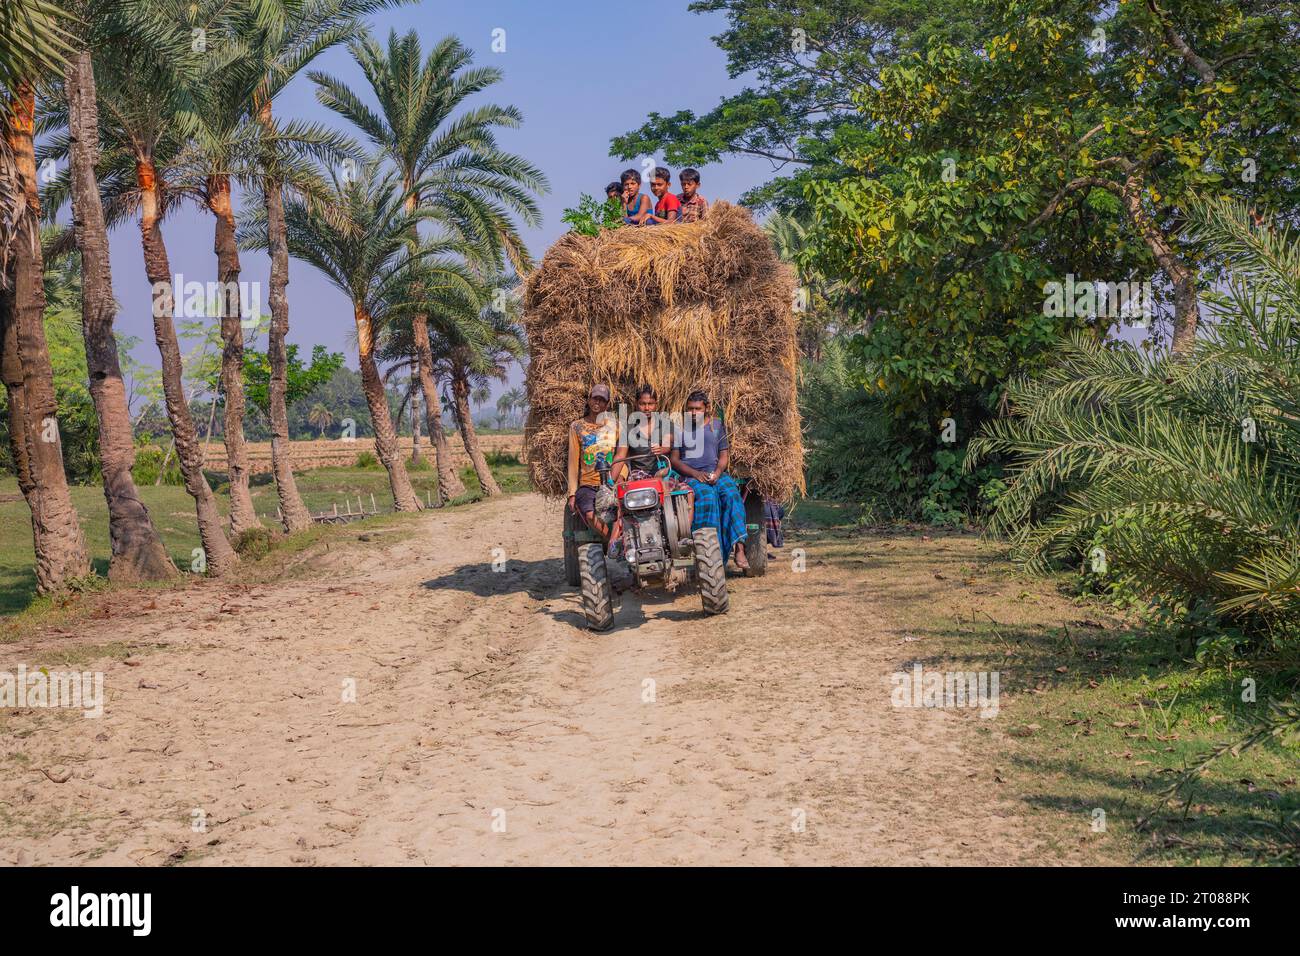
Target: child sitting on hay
[[701, 453], [636, 205]]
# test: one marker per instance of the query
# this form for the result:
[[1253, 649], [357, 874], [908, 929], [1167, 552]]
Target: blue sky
[[581, 73]]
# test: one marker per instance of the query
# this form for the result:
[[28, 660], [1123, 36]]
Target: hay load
[[704, 305]]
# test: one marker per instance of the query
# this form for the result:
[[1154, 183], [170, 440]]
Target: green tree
[[361, 241], [35, 41], [1181, 469], [320, 417], [136, 548], [300, 379], [803, 60], [1069, 139]]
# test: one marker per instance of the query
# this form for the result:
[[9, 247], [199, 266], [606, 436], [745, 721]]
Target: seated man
[[701, 453]]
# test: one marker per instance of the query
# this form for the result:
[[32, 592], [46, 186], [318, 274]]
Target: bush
[[148, 463], [254, 544], [500, 459], [861, 448], [367, 461], [1180, 474]]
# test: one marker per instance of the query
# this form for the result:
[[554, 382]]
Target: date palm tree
[[359, 239], [469, 363], [282, 38], [320, 417], [447, 160], [34, 41], [136, 549], [144, 112]]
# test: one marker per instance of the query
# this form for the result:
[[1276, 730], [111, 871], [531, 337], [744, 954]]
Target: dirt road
[[489, 727]]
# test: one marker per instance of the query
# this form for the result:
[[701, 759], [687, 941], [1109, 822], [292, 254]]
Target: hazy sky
[[581, 72]]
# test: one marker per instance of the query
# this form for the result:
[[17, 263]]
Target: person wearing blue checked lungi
[[701, 453]]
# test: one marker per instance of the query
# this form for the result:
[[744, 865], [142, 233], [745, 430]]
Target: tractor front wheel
[[597, 595], [711, 571]]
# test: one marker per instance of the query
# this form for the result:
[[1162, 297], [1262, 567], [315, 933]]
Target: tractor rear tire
[[572, 524], [597, 595], [756, 541], [711, 571]]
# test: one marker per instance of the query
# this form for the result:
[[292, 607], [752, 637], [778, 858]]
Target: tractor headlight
[[640, 498]]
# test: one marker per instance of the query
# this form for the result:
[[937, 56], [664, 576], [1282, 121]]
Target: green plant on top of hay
[[591, 215]]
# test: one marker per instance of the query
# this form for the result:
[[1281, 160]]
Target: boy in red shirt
[[668, 209], [694, 206]]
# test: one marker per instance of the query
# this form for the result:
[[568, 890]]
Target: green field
[[173, 513]]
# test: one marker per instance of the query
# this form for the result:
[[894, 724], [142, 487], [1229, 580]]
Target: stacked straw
[[704, 305]]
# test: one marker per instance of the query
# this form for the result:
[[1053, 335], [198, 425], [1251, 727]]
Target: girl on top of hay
[[702, 452], [596, 433]]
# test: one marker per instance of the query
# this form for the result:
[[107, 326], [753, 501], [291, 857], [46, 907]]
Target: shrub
[[861, 448], [1184, 472], [367, 461], [255, 543], [149, 462]]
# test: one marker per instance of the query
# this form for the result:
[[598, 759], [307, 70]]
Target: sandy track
[[480, 700]]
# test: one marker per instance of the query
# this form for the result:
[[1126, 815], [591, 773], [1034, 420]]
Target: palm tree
[[470, 364], [137, 551], [143, 93], [280, 45], [450, 164], [506, 404], [818, 315], [1182, 467], [320, 417], [360, 240], [33, 40]]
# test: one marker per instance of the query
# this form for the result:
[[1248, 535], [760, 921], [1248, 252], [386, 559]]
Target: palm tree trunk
[[293, 510], [449, 483], [460, 393], [136, 548], [59, 542], [219, 555], [404, 498], [415, 423], [242, 515]]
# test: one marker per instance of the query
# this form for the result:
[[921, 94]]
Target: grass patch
[[1097, 714], [172, 509]]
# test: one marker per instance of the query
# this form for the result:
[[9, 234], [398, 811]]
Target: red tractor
[[658, 547]]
